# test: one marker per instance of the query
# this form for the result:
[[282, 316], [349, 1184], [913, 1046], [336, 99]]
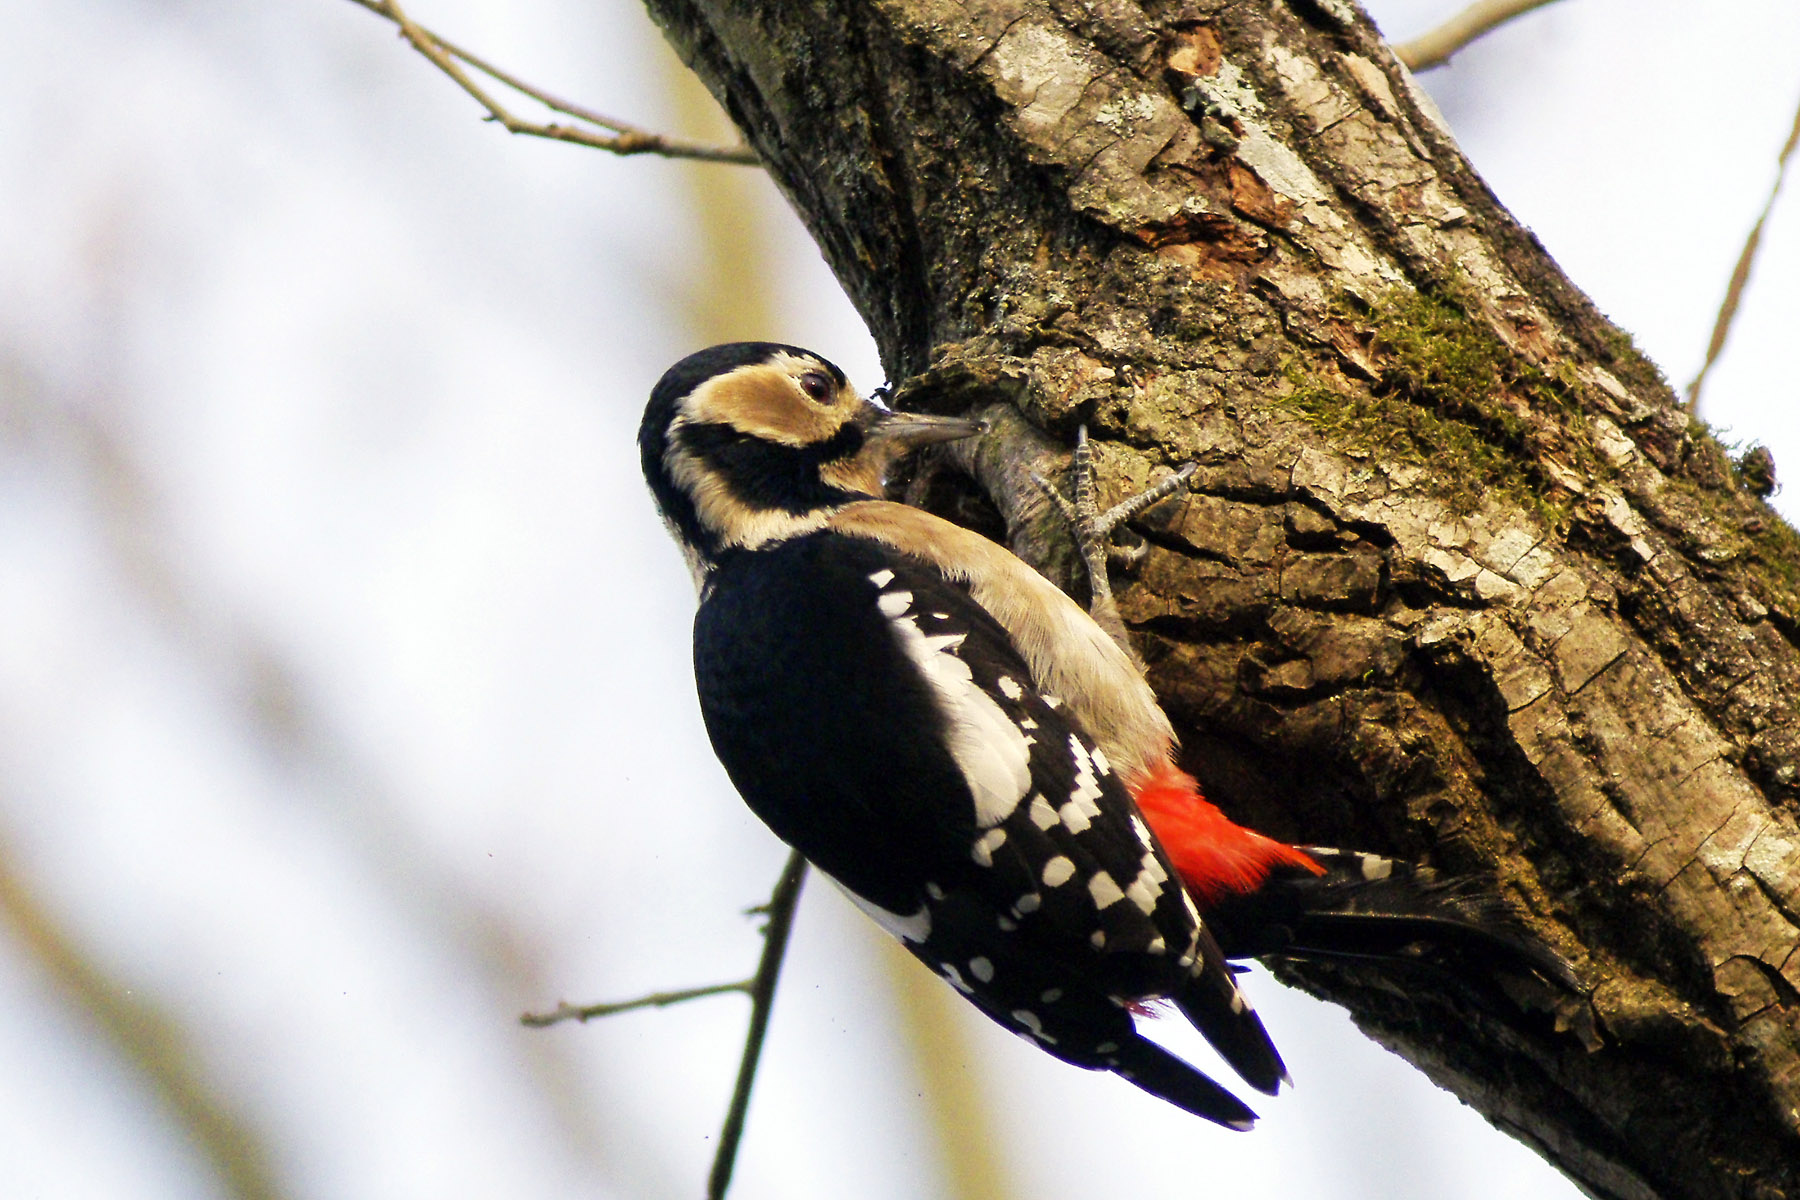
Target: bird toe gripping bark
[[1094, 529]]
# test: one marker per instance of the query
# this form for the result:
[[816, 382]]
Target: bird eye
[[816, 385]]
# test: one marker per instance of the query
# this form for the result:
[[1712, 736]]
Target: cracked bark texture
[[1458, 579]]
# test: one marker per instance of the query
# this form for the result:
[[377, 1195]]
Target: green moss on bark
[[1450, 396]]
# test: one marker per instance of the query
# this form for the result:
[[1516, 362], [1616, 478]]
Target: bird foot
[[1094, 529]]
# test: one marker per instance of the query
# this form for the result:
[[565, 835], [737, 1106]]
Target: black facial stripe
[[766, 475]]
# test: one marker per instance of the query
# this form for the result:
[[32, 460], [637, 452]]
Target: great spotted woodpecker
[[968, 755]]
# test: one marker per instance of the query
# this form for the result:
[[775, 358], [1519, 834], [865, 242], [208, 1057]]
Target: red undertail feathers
[[1215, 857]]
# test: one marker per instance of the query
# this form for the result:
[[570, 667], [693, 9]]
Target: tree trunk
[[1459, 580]]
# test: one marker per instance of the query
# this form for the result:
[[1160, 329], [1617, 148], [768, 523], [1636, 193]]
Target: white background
[[345, 710]]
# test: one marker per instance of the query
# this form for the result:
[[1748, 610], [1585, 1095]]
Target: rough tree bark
[[1459, 580]]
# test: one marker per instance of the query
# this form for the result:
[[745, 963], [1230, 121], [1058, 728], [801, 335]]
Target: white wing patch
[[882, 578], [990, 751]]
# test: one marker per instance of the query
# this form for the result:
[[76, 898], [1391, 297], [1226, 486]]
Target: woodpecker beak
[[893, 433]]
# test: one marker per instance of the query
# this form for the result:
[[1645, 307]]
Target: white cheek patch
[[990, 751]]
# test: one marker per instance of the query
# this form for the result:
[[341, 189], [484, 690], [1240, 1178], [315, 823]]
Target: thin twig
[[782, 903], [621, 138], [1434, 48], [1740, 274], [564, 1011]]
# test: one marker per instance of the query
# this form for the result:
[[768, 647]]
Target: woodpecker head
[[752, 442]]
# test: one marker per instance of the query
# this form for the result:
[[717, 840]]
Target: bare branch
[[782, 903], [619, 138], [760, 987], [1435, 48], [587, 1012], [1740, 274]]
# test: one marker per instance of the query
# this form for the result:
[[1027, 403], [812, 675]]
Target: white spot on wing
[[1081, 810], [986, 844], [1146, 889], [1144, 894], [882, 578], [1009, 687], [1029, 1020], [955, 977], [1058, 871], [1104, 890], [893, 604], [1098, 938], [1042, 815], [982, 969], [1142, 830], [1100, 763], [1376, 867], [1030, 902], [1076, 818], [1051, 995]]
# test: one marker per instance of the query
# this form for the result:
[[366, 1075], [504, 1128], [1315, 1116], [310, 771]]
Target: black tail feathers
[[1366, 906], [1160, 1073], [1212, 1001]]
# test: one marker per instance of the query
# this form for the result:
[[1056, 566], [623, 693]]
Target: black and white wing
[[881, 722]]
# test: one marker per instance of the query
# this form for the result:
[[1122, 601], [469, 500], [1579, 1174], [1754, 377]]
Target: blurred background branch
[[158, 1047], [1740, 271]]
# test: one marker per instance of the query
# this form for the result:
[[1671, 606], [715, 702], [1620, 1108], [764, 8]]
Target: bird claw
[[1094, 529], [1126, 557]]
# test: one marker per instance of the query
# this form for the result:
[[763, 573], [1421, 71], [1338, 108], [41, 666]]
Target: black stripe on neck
[[764, 475]]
